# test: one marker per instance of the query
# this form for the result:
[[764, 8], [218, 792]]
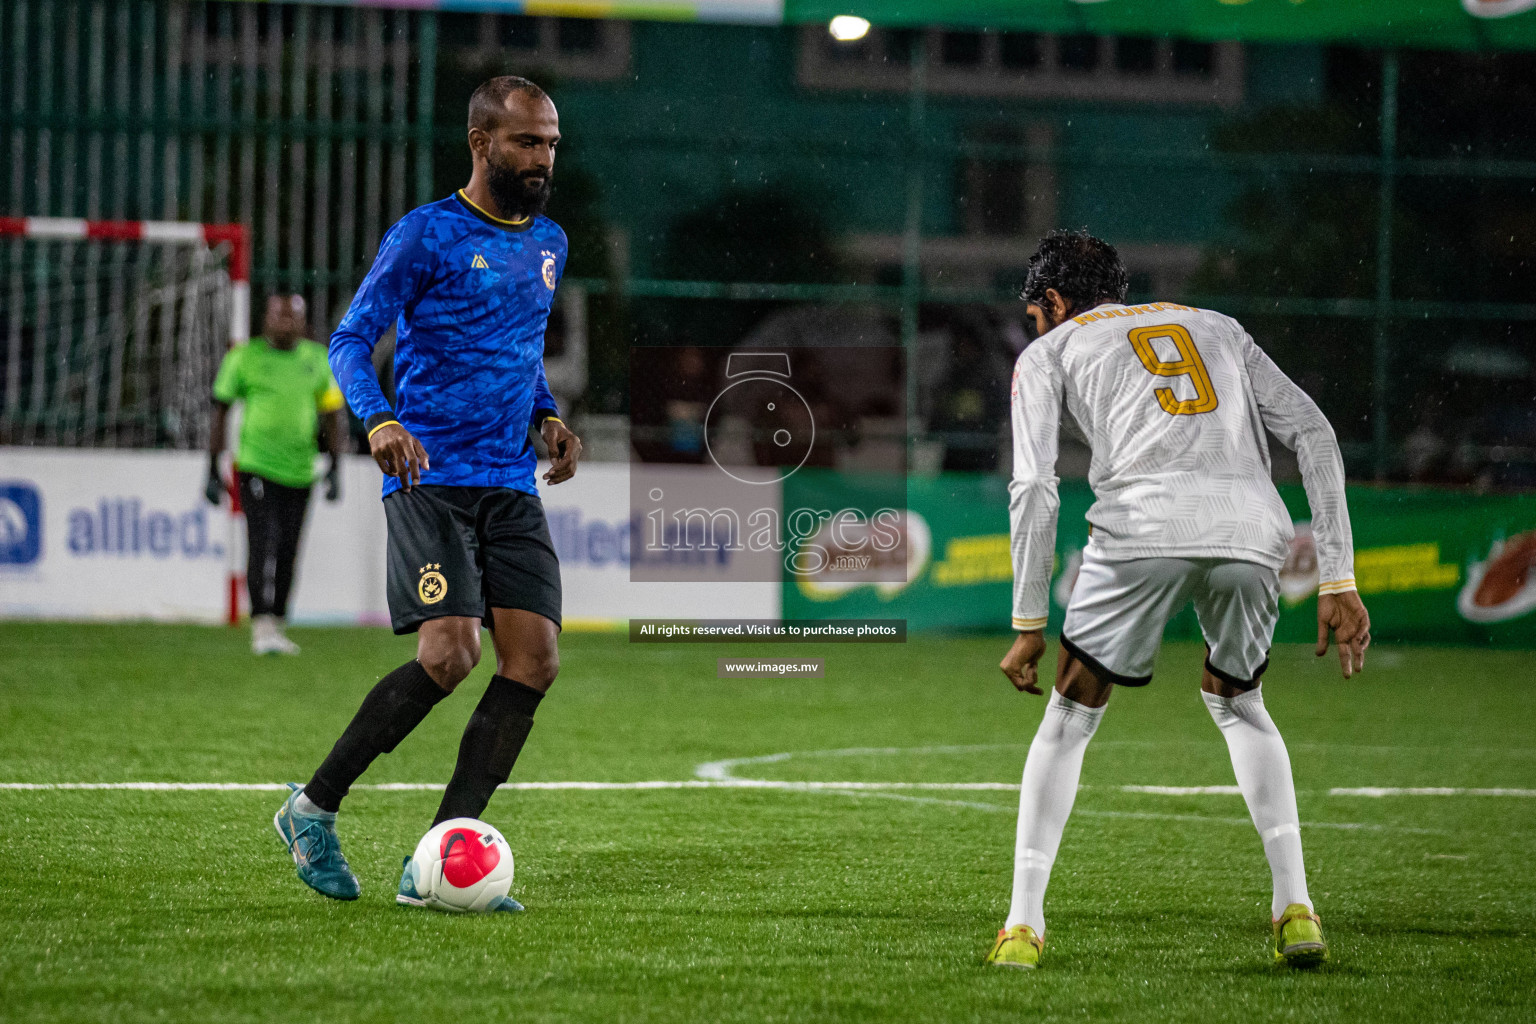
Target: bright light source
[[848, 28]]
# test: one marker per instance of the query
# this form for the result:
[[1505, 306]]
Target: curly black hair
[[1084, 269]]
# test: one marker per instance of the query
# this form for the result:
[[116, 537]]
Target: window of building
[[961, 49], [899, 44], [1130, 69], [578, 35], [455, 29], [581, 48], [1194, 58], [1000, 194], [1018, 51], [517, 33], [993, 198], [1079, 53], [1136, 55], [577, 48]]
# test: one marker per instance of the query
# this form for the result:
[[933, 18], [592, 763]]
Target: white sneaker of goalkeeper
[[267, 636]]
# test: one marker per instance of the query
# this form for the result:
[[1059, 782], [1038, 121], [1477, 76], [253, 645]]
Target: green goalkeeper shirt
[[284, 394]]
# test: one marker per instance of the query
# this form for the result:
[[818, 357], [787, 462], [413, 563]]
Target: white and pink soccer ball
[[462, 866]]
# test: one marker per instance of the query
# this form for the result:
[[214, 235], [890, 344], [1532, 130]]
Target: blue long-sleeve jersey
[[472, 295]]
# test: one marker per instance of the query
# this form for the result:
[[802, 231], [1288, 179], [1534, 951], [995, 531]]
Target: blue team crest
[[549, 269]]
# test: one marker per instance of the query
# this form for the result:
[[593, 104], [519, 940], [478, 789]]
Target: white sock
[[304, 805], [1045, 799], [1263, 770]]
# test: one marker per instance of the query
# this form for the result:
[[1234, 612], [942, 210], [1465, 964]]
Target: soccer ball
[[462, 866]]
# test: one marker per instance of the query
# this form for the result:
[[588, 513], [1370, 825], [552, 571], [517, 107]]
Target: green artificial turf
[[720, 904]]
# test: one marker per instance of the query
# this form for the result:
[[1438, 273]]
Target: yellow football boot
[[1018, 946], [1299, 937]]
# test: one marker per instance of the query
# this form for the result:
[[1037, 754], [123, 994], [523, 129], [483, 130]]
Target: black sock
[[390, 711], [492, 740]]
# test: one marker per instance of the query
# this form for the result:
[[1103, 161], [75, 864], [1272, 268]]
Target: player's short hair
[[489, 101], [1084, 269]]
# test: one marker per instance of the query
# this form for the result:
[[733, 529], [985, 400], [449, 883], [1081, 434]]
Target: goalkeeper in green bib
[[284, 382]]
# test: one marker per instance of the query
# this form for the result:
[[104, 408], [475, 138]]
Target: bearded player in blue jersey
[[468, 282]]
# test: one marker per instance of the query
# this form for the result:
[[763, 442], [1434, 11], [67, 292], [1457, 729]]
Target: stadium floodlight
[[848, 28]]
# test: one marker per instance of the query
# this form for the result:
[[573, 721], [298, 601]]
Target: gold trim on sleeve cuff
[[380, 427], [1337, 586], [1025, 625]]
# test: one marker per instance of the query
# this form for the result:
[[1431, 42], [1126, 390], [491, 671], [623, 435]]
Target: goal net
[[111, 332]]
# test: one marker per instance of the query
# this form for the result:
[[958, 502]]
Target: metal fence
[[312, 125], [315, 126]]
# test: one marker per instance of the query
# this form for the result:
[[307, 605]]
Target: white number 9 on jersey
[[1190, 365]]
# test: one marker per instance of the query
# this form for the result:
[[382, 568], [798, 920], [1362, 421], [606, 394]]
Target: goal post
[[160, 232], [111, 333], [111, 330]]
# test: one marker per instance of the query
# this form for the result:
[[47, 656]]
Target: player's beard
[[515, 193]]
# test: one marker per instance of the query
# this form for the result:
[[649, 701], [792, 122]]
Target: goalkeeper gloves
[[214, 489], [333, 481]]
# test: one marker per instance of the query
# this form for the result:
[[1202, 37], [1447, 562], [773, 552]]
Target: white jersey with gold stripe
[[1174, 402]]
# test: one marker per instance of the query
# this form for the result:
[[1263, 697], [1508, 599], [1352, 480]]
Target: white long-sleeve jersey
[[1174, 402]]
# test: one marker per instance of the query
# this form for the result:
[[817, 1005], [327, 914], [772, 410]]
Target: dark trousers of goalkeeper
[[274, 519]]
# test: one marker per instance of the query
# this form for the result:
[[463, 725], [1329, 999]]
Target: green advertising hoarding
[[1432, 566]]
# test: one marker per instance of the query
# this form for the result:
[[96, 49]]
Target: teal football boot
[[506, 905], [407, 896], [311, 839]]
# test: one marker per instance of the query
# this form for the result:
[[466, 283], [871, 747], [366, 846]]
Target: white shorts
[[1118, 610]]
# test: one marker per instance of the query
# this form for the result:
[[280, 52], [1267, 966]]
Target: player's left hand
[[564, 451], [333, 482], [1344, 616], [1021, 663]]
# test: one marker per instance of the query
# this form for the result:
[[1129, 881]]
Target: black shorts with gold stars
[[466, 550]]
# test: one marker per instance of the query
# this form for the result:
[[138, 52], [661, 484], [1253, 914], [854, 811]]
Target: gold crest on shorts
[[549, 269], [432, 587]]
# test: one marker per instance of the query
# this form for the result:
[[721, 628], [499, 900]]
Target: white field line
[[721, 775], [279, 787], [1380, 791], [769, 784]]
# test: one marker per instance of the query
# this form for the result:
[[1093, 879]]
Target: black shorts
[[466, 550]]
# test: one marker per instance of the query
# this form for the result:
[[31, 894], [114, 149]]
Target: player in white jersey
[[1175, 403]]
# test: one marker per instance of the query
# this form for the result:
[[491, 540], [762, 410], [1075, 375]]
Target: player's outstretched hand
[[564, 451], [1021, 663], [399, 454], [1345, 616]]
